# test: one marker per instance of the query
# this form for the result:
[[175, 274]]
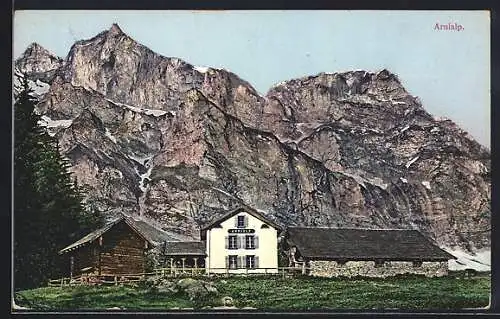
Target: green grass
[[301, 293], [95, 298]]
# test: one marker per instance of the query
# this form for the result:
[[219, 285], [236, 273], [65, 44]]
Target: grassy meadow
[[276, 294]]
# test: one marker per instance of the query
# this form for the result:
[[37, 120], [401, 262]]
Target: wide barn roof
[[364, 244], [185, 248], [150, 233]]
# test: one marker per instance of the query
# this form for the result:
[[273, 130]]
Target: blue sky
[[448, 70]]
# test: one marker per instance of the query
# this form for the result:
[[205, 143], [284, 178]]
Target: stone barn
[[120, 247], [332, 252]]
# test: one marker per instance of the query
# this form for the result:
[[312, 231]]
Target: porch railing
[[170, 272]]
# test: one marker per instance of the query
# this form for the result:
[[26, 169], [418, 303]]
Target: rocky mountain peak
[[36, 50], [38, 63], [115, 29]]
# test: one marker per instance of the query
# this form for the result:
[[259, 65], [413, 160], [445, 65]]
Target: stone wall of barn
[[324, 268]]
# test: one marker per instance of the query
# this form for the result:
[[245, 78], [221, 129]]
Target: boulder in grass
[[165, 286], [196, 289], [227, 301]]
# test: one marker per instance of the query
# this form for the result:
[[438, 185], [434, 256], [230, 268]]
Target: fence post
[[62, 281], [116, 281]]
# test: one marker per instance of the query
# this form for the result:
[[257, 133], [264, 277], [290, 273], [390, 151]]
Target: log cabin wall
[[122, 251], [83, 258]]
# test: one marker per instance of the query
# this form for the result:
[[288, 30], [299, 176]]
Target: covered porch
[[184, 257]]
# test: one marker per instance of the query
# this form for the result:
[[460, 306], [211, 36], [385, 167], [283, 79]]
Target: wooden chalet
[[117, 248]]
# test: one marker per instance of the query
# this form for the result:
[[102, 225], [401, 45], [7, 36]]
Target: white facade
[[229, 245]]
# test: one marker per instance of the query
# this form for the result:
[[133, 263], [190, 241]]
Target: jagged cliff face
[[159, 137]]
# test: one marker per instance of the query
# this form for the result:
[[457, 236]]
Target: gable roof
[[233, 212], [153, 235], [364, 244], [184, 248]]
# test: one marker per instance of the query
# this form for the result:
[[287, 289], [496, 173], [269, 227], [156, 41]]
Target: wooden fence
[[169, 272]]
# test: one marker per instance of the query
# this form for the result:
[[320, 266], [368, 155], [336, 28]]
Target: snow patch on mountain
[[47, 122], [202, 69], [426, 184], [142, 182], [480, 261], [110, 136], [404, 129], [412, 161], [153, 112], [39, 88]]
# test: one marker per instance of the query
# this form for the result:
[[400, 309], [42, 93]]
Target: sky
[[448, 70]]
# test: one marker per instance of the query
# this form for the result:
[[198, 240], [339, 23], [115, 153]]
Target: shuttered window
[[232, 242], [232, 262], [249, 242], [240, 222], [250, 261]]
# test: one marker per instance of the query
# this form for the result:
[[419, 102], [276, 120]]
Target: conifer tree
[[48, 210]]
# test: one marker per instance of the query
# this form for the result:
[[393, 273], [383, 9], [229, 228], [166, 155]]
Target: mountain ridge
[[161, 139]]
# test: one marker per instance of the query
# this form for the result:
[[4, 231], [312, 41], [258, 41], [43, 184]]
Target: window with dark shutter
[[250, 242], [227, 261], [226, 240], [256, 262], [250, 261], [241, 221], [233, 242], [233, 262], [256, 242]]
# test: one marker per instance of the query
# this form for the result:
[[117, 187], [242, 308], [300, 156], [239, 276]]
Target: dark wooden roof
[[233, 212], [364, 244], [153, 235], [185, 248]]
